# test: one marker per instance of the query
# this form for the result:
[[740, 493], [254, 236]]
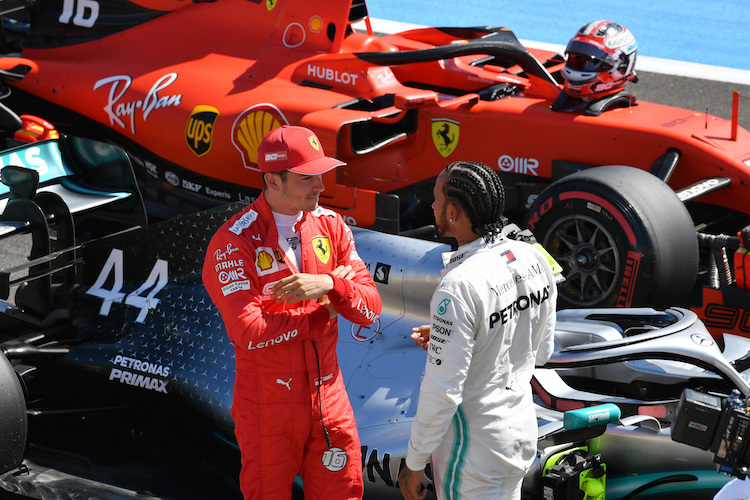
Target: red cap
[[296, 149]]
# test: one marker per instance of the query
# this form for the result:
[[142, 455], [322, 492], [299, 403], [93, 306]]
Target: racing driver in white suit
[[493, 320]]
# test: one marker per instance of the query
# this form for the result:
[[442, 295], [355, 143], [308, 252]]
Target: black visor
[[586, 64], [585, 57]]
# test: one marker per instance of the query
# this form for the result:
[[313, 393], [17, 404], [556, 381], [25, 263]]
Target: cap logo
[[314, 142], [276, 156]]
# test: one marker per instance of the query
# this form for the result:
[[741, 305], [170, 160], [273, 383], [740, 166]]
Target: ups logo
[[199, 131]]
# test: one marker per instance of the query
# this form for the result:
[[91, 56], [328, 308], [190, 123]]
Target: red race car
[[642, 204]]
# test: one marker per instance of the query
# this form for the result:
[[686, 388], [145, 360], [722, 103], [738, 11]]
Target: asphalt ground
[[694, 94]]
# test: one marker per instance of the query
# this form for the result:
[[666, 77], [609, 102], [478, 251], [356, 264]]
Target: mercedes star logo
[[702, 339]]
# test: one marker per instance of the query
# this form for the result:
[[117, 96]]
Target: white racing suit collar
[[453, 259]]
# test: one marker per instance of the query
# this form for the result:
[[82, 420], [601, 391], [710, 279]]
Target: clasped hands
[[305, 286]]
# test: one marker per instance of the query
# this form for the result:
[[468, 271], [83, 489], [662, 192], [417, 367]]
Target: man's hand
[[410, 483], [332, 311], [301, 286], [421, 335], [345, 272], [304, 286]]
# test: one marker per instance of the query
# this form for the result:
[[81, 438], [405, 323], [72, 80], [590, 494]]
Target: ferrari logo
[[445, 135], [322, 247], [314, 142], [270, 4]]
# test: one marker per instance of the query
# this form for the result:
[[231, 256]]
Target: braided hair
[[479, 192]]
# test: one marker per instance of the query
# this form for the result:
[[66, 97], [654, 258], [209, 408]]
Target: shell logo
[[251, 126], [315, 24], [265, 261]]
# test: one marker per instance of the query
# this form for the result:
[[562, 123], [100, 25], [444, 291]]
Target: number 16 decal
[[114, 266], [81, 9]]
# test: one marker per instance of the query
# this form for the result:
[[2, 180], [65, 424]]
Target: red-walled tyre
[[622, 237]]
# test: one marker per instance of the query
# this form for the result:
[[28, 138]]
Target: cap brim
[[317, 166]]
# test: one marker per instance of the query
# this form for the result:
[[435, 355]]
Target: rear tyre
[[622, 237], [14, 426]]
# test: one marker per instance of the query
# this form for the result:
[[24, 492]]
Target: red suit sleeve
[[357, 300]]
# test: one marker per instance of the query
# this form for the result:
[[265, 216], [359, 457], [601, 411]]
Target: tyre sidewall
[[652, 229]]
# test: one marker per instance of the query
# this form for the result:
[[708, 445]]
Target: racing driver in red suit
[[280, 272]]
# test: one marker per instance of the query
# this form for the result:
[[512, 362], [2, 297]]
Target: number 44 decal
[[140, 298]]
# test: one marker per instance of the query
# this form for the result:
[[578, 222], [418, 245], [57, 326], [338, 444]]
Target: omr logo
[[200, 129], [519, 165]]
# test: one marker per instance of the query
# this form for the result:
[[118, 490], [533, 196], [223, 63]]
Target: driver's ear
[[454, 210], [272, 180]]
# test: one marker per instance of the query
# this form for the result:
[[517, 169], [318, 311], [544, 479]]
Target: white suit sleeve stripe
[[452, 484]]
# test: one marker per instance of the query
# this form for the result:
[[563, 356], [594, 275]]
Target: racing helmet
[[600, 60]]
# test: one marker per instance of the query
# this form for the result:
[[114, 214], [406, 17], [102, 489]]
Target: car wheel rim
[[588, 253]]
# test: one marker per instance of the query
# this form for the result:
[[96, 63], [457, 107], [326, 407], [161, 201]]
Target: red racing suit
[[291, 410]]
